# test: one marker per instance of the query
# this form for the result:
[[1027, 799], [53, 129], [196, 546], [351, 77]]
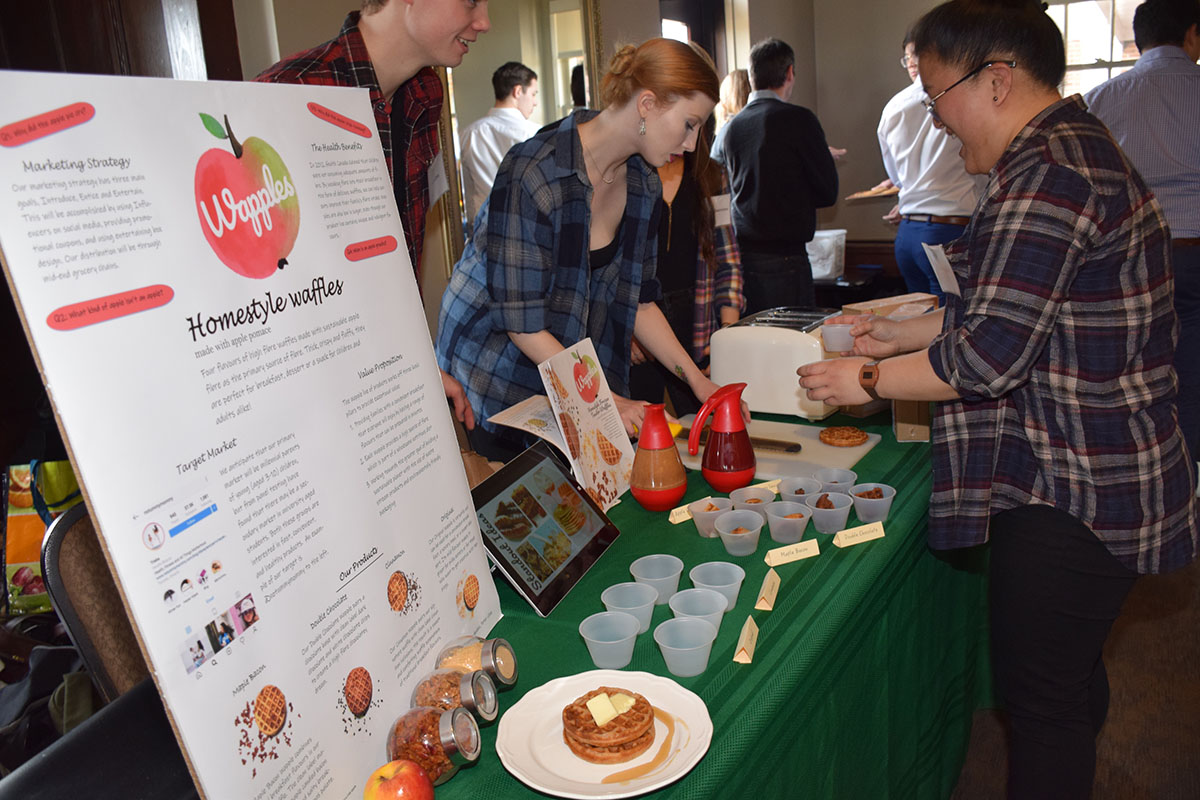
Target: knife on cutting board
[[757, 442]]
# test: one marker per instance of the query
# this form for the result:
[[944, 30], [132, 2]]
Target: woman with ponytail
[[566, 246], [1055, 437]]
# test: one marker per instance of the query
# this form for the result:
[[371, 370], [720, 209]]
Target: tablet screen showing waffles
[[540, 528]]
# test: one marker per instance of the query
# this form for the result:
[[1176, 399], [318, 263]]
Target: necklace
[[588, 154]]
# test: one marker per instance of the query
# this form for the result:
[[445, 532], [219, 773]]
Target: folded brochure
[[579, 417]]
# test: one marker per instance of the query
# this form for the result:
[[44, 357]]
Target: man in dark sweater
[[780, 172]]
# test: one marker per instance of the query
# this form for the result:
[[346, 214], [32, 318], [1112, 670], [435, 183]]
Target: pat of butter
[[622, 702], [602, 709]]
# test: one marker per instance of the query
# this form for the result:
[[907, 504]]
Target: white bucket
[[827, 254]]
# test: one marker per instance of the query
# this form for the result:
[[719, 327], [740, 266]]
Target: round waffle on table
[[843, 436], [270, 710], [624, 737], [358, 691], [397, 590]]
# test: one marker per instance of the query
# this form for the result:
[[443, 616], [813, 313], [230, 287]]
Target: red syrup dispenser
[[659, 480], [728, 461]]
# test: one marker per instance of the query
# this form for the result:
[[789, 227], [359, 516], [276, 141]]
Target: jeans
[[910, 256], [1187, 364], [771, 280], [1055, 592]]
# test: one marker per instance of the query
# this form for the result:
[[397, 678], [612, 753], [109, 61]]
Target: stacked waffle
[[624, 737]]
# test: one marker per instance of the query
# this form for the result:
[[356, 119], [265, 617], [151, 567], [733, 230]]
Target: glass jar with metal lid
[[452, 688], [470, 653], [439, 740]]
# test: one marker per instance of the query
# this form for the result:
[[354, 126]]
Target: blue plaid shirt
[[1061, 347], [526, 270]]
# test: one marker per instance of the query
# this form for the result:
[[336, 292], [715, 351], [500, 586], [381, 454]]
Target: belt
[[936, 220], [1193, 242]]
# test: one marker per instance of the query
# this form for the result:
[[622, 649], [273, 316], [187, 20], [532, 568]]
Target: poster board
[[236, 349]]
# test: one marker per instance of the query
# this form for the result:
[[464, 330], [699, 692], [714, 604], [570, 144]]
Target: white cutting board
[[814, 454]]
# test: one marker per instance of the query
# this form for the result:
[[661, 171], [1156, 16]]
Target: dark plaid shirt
[[407, 122], [1061, 348], [526, 269]]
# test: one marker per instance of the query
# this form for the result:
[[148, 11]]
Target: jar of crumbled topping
[[440, 740], [452, 688], [470, 653]]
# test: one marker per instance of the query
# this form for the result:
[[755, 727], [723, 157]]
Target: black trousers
[[771, 280], [1055, 592]]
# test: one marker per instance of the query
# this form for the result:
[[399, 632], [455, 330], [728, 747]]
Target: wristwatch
[[868, 376]]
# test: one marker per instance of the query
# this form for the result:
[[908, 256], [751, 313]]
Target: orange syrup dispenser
[[659, 480]]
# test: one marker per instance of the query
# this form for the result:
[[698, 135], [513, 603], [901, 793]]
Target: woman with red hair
[[566, 245]]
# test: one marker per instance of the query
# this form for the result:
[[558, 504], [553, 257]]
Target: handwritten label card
[[681, 514], [768, 592], [863, 533], [747, 640], [792, 552]]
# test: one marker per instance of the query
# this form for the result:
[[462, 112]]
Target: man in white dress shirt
[[486, 141], [1153, 111], [937, 196]]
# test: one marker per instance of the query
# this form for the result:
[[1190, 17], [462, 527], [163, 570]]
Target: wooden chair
[[84, 593]]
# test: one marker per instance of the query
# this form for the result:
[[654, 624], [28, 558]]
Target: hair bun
[[622, 59]]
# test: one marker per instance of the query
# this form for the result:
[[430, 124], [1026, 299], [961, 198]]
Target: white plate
[[530, 744]]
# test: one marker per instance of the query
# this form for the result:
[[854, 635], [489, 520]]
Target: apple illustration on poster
[[247, 202]]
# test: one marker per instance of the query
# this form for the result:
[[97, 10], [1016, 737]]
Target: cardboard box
[[911, 420], [917, 303]]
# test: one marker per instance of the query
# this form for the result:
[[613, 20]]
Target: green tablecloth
[[866, 674]]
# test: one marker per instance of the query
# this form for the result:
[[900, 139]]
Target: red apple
[[584, 373], [247, 204], [399, 780]]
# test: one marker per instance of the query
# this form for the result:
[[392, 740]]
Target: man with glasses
[[937, 196], [1153, 111]]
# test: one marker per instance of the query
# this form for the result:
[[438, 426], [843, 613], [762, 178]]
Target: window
[[1099, 40], [675, 29]]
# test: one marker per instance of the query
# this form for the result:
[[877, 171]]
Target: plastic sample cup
[[660, 571], [686, 643], [610, 636], [720, 576], [835, 480], [705, 604], [795, 489], [836, 337], [830, 520], [752, 498], [870, 509], [739, 531], [632, 598], [787, 521], [705, 519]]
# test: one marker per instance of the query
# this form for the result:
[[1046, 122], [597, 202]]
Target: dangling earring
[[642, 129]]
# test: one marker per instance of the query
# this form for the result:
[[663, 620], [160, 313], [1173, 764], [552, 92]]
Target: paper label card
[[792, 552], [863, 533], [747, 641], [768, 592], [771, 486], [681, 514]]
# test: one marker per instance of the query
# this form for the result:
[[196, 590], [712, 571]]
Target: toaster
[[763, 351]]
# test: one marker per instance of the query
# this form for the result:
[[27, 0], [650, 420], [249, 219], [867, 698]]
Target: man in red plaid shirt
[[390, 48]]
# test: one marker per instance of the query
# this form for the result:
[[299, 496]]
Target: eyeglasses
[[931, 101], [906, 61]]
